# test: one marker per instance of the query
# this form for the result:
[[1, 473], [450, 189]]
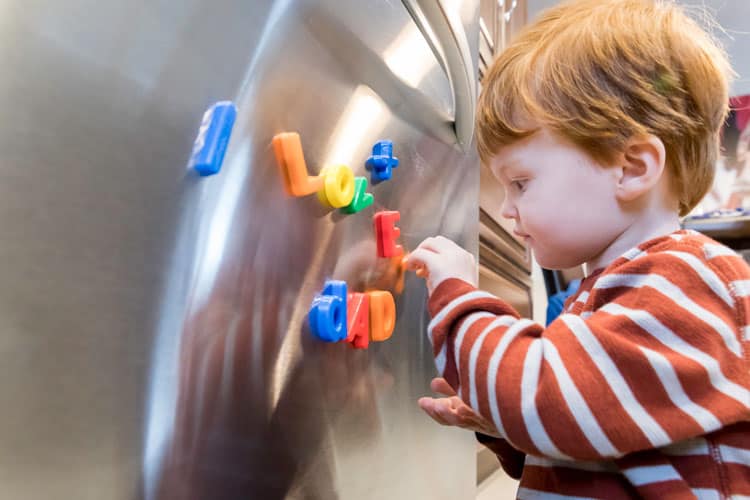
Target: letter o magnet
[[338, 186]]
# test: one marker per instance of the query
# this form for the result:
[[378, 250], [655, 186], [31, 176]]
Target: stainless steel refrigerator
[[153, 322]]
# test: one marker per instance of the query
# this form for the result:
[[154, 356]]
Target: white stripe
[[739, 497], [673, 292], [706, 494], [633, 254], [711, 250], [465, 326], [734, 455], [571, 464], [746, 333], [638, 476], [653, 431], [577, 404], [586, 315], [580, 299], [676, 393], [497, 356], [439, 317], [676, 237], [532, 365], [707, 275], [529, 494], [696, 446], [474, 355], [741, 287], [440, 359], [664, 335]]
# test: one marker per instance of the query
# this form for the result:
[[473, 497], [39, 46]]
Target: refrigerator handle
[[446, 36]]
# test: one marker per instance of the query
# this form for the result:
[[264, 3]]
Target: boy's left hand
[[438, 259], [451, 410]]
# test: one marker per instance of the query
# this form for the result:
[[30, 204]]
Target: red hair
[[600, 72]]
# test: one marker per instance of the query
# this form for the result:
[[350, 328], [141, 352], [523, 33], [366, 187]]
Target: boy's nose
[[508, 210]]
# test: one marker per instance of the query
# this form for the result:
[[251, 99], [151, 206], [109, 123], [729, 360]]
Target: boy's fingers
[[421, 259], [452, 411], [440, 409], [428, 405], [456, 403], [441, 386], [446, 413], [468, 415], [415, 266]]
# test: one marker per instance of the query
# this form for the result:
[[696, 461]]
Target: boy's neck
[[641, 230]]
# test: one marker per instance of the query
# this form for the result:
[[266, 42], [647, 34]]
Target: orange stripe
[[508, 382], [558, 421], [469, 338], [572, 482], [649, 391], [691, 373], [617, 424]]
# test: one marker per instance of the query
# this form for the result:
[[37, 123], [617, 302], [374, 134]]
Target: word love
[[336, 186]]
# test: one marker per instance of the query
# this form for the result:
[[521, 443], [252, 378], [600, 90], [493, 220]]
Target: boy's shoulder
[[685, 248], [685, 267]]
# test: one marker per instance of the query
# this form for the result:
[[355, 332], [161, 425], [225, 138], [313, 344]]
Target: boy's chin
[[556, 262]]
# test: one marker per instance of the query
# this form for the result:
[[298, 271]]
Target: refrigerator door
[[443, 28], [155, 341]]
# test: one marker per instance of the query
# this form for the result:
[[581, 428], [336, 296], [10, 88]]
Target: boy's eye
[[519, 185]]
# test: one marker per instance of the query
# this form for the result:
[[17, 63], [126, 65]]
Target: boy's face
[[562, 201]]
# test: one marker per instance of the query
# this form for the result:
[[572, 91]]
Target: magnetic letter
[[338, 186], [386, 234], [359, 320], [361, 199], [291, 161], [382, 315], [328, 313]]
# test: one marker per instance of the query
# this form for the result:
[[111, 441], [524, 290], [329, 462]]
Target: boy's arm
[[663, 360]]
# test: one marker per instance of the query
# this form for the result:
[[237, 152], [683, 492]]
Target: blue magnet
[[328, 312], [213, 138], [382, 161]]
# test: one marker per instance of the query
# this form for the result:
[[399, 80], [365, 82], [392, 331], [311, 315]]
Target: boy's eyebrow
[[502, 167]]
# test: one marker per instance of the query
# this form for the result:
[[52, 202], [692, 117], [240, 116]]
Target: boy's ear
[[642, 167]]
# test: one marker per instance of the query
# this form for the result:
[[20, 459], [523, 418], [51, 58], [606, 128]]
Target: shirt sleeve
[[660, 359]]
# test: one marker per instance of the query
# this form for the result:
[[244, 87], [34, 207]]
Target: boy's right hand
[[438, 259]]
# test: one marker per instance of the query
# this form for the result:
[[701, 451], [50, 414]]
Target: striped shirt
[[639, 389]]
